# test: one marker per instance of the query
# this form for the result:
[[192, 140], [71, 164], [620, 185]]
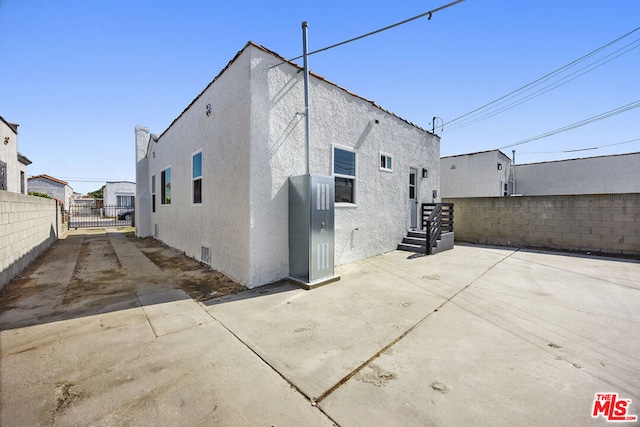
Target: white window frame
[[153, 193], [193, 179], [338, 175], [390, 160], [163, 185], [130, 203]]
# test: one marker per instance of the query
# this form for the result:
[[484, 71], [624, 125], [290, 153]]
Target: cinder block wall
[[28, 226], [606, 223]]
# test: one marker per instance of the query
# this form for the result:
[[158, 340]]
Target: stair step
[[418, 234], [411, 248], [415, 241]]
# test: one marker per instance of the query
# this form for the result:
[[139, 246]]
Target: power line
[[580, 72], [74, 179], [581, 149], [429, 14], [543, 78], [584, 122]]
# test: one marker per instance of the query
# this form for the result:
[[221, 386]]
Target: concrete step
[[415, 241], [411, 248], [418, 234]]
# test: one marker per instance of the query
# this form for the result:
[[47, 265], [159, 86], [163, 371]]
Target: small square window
[[385, 162]]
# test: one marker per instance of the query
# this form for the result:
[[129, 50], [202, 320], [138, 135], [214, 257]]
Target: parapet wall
[[28, 226], [604, 223]]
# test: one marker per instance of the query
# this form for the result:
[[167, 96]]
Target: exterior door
[[413, 197]]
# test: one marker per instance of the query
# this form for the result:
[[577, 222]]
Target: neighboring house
[[119, 195], [490, 174], [215, 182], [54, 187], [13, 165], [482, 174], [590, 175], [82, 200]]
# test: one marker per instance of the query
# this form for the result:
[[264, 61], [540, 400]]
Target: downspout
[[306, 96]]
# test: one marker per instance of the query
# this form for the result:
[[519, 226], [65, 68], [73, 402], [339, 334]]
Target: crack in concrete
[[404, 334]]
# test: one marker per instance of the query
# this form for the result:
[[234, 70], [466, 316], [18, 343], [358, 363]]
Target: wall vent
[[156, 231], [205, 254]]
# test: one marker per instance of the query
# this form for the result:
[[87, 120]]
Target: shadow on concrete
[[272, 289], [95, 272]]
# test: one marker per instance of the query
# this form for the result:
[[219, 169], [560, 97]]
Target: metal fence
[[97, 216]]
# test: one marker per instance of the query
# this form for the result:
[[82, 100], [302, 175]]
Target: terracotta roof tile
[[50, 178]]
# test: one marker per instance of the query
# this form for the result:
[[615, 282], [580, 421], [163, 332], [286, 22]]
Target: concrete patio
[[475, 335]]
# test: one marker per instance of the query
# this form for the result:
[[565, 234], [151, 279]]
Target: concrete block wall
[[28, 226], [603, 223]]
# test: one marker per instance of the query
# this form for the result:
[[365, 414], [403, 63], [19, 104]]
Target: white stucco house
[[481, 174], [119, 196], [216, 181], [492, 174], [13, 165], [611, 174], [54, 187]]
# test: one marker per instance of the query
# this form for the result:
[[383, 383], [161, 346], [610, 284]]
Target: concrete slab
[[528, 343], [488, 336], [317, 338], [172, 311], [112, 370]]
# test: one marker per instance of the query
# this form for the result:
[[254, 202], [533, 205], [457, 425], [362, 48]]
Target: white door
[[413, 197]]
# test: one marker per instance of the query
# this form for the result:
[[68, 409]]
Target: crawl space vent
[[205, 254]]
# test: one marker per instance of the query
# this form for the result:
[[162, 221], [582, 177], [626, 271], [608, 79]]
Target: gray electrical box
[[311, 228]]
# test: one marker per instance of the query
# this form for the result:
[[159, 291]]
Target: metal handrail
[[440, 219]]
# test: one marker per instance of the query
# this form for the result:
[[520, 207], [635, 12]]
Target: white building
[[491, 174], [120, 195], [54, 187], [217, 178], [590, 175], [482, 174], [13, 165]]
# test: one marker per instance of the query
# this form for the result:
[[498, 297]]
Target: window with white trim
[[344, 172], [196, 178], [153, 193], [125, 201], [165, 186], [385, 162]]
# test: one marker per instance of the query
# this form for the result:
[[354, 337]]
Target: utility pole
[[513, 171], [306, 96]]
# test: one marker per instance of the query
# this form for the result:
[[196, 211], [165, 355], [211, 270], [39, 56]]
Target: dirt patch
[[98, 274], [83, 275], [197, 279]]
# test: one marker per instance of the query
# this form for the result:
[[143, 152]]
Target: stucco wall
[[474, 175], [28, 226], [9, 155], [222, 220], [592, 175], [607, 223], [380, 218]]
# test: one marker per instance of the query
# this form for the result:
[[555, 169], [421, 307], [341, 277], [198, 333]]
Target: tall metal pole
[[513, 152], [306, 95]]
